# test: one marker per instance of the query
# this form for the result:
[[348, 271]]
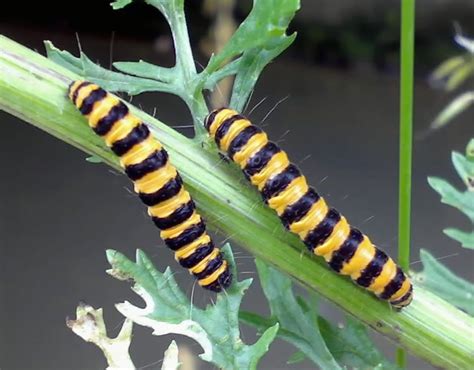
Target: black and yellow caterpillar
[[156, 181], [302, 211]]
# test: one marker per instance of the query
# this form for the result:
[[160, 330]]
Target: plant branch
[[34, 89]]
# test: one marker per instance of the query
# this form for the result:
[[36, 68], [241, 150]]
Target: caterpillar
[[156, 181], [304, 212]]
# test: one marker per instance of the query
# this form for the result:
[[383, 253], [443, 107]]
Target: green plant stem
[[406, 128], [34, 89]]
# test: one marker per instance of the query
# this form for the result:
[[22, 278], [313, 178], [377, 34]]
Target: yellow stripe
[[402, 291], [406, 302], [313, 218], [219, 119], [74, 87], [121, 129], [275, 166], [101, 109], [140, 151], [388, 273], [187, 250], [235, 129], [167, 207], [203, 264], [362, 257], [255, 143], [175, 231], [214, 276], [155, 180], [84, 93], [294, 191], [335, 241]]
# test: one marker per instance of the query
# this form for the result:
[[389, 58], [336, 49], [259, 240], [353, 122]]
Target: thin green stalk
[[34, 89], [406, 128]]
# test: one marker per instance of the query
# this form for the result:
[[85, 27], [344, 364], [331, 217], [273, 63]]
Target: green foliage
[[450, 75], [168, 310], [441, 281], [259, 39], [464, 201], [328, 346]]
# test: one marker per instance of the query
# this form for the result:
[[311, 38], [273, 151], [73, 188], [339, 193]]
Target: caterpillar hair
[[156, 181], [304, 212]]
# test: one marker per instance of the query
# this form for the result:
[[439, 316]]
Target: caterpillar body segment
[[304, 212], [156, 181]]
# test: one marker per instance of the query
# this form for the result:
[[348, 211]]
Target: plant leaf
[[453, 197], [297, 326], [444, 283], [464, 168], [147, 70], [441, 74], [111, 81], [465, 238], [465, 42], [168, 310], [351, 345], [470, 150], [453, 109]]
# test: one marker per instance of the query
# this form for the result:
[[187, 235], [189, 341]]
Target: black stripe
[[259, 160], [116, 113], [197, 256], [153, 162], [187, 236], [404, 298], [137, 135], [321, 232], [223, 282], [296, 211], [394, 285], [211, 117], [347, 250], [88, 103], [211, 267], [169, 190], [177, 217], [373, 269], [224, 128], [280, 182], [76, 92], [241, 139]]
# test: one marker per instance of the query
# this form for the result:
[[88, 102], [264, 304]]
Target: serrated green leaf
[[297, 326], [259, 39], [168, 310], [111, 81], [464, 201], [464, 168], [453, 109], [251, 65], [465, 238], [146, 70], [351, 345], [441, 281]]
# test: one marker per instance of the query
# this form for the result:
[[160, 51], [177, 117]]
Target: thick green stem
[[34, 89], [407, 35]]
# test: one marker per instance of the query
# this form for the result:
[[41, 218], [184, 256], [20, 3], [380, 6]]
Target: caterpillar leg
[[156, 181], [304, 212]]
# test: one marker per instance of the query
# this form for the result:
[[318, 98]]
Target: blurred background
[[338, 119]]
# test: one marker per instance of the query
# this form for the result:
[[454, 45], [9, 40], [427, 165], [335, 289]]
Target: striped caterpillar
[[302, 211], [156, 181]]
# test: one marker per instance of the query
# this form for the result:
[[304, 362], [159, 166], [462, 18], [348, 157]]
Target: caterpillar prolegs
[[302, 211], [156, 181]]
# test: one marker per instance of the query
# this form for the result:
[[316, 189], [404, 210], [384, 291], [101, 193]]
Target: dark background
[[58, 213]]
